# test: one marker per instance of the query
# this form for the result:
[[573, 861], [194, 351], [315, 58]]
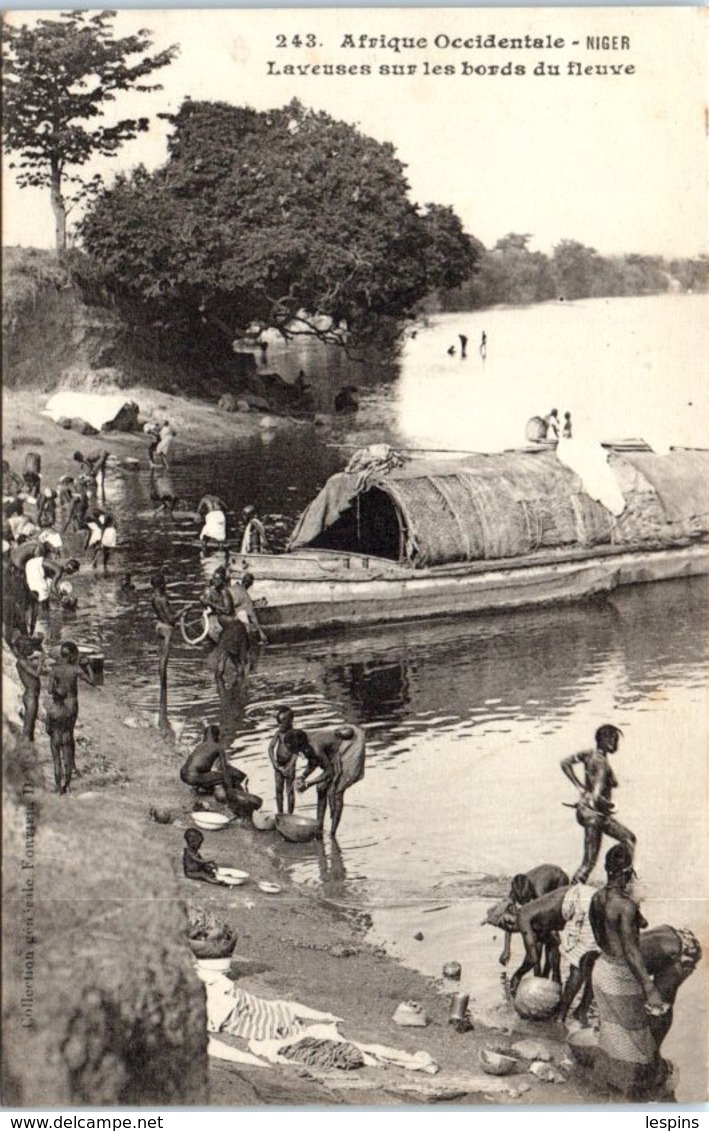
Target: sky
[[617, 161]]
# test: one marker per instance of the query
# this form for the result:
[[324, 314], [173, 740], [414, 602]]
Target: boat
[[396, 541]]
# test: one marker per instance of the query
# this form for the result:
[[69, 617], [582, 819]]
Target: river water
[[466, 720]]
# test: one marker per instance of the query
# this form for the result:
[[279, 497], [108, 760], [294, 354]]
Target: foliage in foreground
[[261, 216]]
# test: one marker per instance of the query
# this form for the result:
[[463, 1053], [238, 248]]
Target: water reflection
[[466, 720]]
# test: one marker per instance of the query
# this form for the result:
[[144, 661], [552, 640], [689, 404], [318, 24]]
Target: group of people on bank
[[37, 518], [631, 974]]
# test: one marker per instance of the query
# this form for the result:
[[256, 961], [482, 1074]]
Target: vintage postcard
[[355, 557]]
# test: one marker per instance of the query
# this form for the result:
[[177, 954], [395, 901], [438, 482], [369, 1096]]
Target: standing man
[[63, 711], [165, 624], [253, 540], [244, 609], [594, 810]]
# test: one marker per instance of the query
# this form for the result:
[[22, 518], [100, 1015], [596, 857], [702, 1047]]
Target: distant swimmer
[[463, 345], [567, 429], [451, 351], [483, 345]]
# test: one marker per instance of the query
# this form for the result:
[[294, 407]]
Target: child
[[194, 865]]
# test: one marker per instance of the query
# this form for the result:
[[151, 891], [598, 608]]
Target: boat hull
[[311, 592]]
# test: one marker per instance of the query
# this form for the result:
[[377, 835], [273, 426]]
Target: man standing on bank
[[594, 810]]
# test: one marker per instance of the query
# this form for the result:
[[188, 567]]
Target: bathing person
[[63, 710], [525, 887], [627, 1057], [47, 509], [552, 425], [339, 753], [283, 760], [218, 602], [11, 481], [463, 345], [65, 488], [166, 444], [40, 573], [213, 511], [94, 467], [127, 590], [165, 623], [253, 540], [568, 427], [199, 772], [483, 345], [594, 810], [244, 609], [194, 865], [78, 509], [32, 473], [107, 536], [29, 669]]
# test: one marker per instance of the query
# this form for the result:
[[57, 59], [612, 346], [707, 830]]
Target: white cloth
[[96, 534], [52, 538], [590, 462], [37, 581], [214, 526], [108, 538], [231, 1009]]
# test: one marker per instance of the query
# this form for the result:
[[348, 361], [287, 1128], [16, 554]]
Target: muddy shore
[[291, 945]]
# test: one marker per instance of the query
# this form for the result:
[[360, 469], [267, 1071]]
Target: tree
[[259, 217], [575, 267], [58, 77]]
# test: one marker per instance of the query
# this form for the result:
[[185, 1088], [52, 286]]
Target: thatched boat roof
[[505, 505]]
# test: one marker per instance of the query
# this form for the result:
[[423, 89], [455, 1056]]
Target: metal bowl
[[209, 821], [299, 830], [264, 822], [498, 1063], [269, 888]]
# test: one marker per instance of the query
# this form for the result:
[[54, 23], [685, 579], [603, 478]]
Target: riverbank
[[201, 427], [291, 945]]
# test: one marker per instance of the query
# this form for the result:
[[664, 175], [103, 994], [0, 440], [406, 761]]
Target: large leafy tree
[[259, 217], [58, 77]]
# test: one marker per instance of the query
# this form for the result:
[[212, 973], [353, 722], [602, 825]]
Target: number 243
[[296, 41]]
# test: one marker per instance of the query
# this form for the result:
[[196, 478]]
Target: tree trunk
[[58, 207]]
